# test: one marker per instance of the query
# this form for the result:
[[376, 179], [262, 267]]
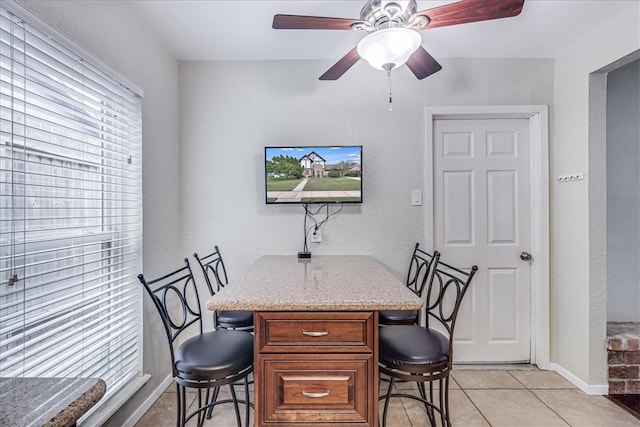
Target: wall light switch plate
[[416, 198]]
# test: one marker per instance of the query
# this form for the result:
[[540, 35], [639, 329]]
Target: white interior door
[[482, 216]]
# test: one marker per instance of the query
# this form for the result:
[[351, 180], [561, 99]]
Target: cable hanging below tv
[[313, 174]]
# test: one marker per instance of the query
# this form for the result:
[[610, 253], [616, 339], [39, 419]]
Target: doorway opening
[[623, 225]]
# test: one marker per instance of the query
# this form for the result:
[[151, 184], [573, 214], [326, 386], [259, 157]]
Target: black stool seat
[[419, 277], [424, 354], [398, 317], [234, 353], [205, 361], [215, 275], [413, 347], [235, 319]]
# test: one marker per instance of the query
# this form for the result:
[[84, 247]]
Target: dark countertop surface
[[50, 402]]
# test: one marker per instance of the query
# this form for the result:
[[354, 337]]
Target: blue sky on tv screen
[[331, 155]]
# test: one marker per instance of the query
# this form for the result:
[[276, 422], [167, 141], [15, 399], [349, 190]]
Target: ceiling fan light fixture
[[389, 48]]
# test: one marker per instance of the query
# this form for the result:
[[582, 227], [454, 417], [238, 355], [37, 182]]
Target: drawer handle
[[315, 334], [315, 395]]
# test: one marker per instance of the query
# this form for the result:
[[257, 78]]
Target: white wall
[[623, 194], [578, 209], [108, 30], [231, 110]]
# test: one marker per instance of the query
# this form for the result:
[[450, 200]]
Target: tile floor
[[479, 398]]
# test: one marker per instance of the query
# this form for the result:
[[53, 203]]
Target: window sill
[[105, 410]]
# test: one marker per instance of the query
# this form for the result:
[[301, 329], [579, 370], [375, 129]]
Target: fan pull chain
[[390, 95]]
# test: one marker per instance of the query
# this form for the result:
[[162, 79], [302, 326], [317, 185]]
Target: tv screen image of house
[[313, 174]]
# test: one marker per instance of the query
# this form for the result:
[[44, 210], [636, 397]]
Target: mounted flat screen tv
[[313, 174]]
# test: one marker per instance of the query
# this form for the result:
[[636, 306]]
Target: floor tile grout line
[[550, 408], [476, 406], [517, 380], [536, 388], [519, 388], [524, 387], [404, 408]]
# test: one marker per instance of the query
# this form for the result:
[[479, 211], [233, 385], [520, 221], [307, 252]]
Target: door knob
[[526, 256]]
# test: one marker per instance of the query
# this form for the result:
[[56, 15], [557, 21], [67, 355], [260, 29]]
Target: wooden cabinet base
[[334, 384], [305, 388]]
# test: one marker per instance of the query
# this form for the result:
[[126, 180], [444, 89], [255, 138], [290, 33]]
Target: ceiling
[[241, 29]]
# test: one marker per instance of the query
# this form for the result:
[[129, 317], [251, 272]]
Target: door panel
[[503, 300], [458, 218], [502, 207], [481, 216]]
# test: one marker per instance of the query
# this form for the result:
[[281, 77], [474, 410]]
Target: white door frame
[[538, 116]]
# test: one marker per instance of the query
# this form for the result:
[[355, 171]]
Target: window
[[70, 212]]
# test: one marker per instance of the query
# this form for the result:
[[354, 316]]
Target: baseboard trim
[[149, 401], [593, 390]]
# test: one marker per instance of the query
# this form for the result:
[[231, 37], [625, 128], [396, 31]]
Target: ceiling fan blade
[[422, 64], [341, 67], [299, 22], [467, 11]]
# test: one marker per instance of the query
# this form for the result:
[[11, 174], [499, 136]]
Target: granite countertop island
[[48, 402], [320, 283]]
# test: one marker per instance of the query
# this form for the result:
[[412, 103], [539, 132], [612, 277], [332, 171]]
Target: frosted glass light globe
[[389, 48]]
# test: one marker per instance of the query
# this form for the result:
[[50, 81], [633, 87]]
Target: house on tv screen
[[315, 166]]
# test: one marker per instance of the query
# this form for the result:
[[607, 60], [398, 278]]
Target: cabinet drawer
[[304, 388], [314, 332]]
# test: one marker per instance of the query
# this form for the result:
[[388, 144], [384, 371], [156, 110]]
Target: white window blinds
[[70, 213]]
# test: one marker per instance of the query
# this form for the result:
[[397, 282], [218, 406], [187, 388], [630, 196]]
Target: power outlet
[[316, 236]]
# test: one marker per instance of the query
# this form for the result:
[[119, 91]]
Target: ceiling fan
[[392, 25]]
